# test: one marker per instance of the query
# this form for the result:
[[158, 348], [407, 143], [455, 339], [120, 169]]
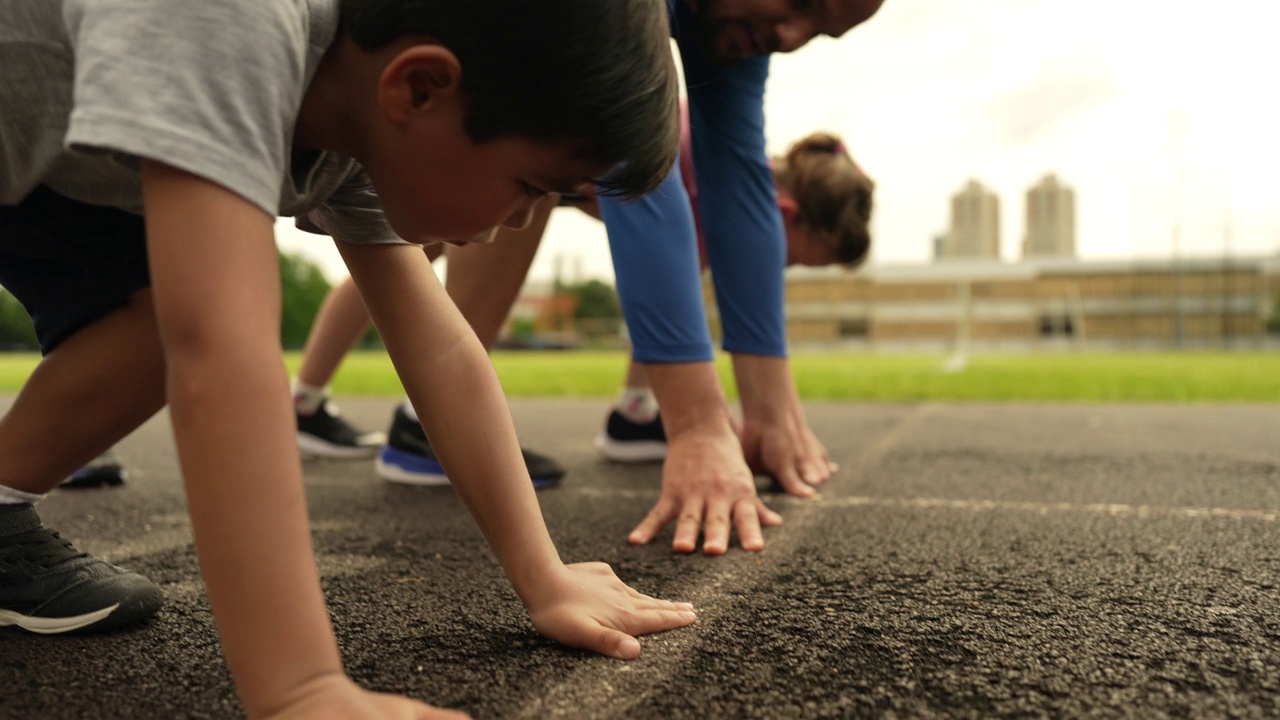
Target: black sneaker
[[104, 470], [326, 434], [625, 441], [407, 458], [49, 587]]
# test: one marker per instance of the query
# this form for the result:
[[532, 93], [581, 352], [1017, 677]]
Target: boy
[[707, 484], [148, 146]]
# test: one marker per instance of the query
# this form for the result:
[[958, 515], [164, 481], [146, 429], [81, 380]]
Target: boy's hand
[[586, 606], [338, 698]]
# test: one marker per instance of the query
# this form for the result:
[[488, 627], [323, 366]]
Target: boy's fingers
[[748, 521], [650, 602], [615, 643], [686, 540], [426, 712], [658, 517], [715, 531], [646, 622]]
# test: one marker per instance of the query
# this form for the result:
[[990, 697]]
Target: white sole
[[635, 451], [53, 626], [313, 448]]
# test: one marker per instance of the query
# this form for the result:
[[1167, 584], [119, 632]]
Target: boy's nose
[[794, 34], [521, 217]]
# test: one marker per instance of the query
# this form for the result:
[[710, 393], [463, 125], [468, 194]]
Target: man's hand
[[706, 484], [335, 697], [776, 439], [586, 606], [788, 451]]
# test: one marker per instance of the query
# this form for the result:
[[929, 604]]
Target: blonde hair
[[832, 193]]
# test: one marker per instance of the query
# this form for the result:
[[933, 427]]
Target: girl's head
[[825, 200]]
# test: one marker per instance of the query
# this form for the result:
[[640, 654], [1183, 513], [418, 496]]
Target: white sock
[[308, 398], [9, 496], [408, 410], [639, 405]]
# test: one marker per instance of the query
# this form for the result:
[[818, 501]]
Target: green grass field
[[1156, 377]]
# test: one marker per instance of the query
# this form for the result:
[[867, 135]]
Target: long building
[[1036, 304]]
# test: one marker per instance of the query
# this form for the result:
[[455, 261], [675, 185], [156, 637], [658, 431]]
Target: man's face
[[736, 29]]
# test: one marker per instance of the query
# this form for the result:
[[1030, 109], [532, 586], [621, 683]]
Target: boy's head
[[735, 29], [825, 200], [483, 106]]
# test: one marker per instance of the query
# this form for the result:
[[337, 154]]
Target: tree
[[16, 331], [596, 301], [303, 288]]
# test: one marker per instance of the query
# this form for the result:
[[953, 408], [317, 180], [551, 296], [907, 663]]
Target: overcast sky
[[929, 93]]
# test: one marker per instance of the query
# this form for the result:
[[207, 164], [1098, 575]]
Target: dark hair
[[833, 194], [595, 72]]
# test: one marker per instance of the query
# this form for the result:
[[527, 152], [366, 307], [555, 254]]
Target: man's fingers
[[715, 530], [686, 540], [768, 518], [748, 521], [661, 514], [792, 483]]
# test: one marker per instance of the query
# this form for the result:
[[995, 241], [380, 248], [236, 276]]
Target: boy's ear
[[415, 77], [788, 206]]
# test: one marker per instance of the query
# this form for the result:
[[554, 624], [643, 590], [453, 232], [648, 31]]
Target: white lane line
[[603, 688], [331, 566], [166, 533], [970, 505], [1044, 508]]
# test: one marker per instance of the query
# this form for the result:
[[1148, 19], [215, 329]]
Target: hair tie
[[839, 149]]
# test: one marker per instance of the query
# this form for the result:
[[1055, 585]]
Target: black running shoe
[[326, 434], [49, 587], [625, 441], [104, 470], [407, 458]]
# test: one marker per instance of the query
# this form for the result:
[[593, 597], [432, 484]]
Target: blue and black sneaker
[[103, 471], [407, 458]]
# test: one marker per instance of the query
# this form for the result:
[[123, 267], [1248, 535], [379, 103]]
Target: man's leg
[[484, 282], [633, 431], [338, 328]]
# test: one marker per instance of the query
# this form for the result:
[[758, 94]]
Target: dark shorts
[[69, 263]]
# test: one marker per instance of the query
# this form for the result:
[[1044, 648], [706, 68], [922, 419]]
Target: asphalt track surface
[[968, 561]]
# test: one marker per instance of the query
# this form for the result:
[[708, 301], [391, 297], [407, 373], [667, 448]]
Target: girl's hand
[[337, 698], [586, 606]]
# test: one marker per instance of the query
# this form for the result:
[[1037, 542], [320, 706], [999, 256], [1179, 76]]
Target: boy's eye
[[533, 191]]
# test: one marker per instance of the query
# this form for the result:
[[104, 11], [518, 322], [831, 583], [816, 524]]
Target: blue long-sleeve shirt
[[654, 242]]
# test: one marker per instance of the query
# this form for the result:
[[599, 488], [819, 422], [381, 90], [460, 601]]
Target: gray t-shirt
[[212, 87]]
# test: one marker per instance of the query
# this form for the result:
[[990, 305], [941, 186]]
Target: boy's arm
[[217, 296], [453, 387]]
